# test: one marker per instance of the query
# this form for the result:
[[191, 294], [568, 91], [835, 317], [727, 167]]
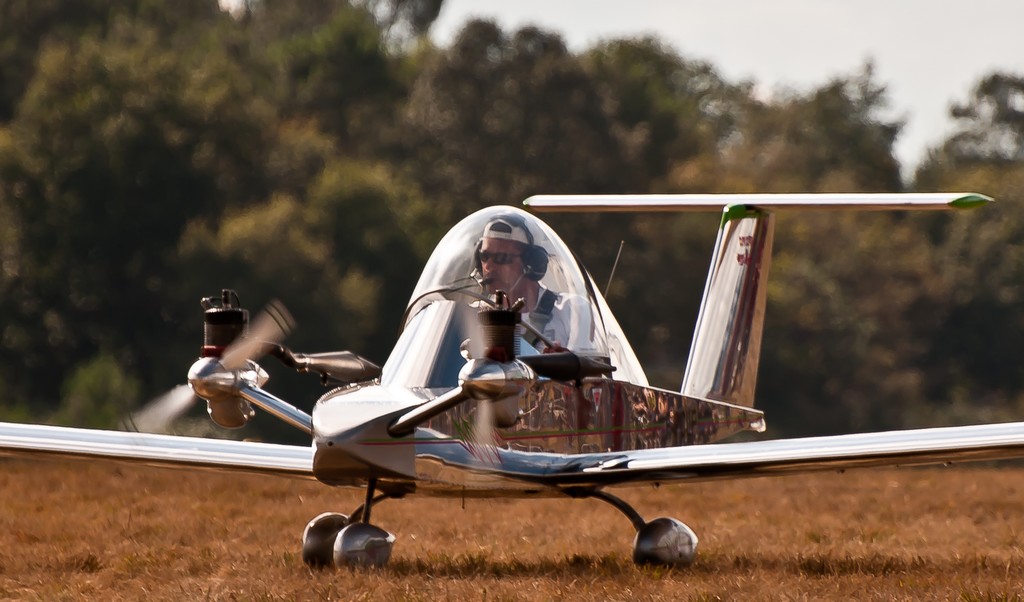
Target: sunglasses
[[498, 258]]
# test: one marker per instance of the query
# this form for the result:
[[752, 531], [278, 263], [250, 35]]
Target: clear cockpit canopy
[[452, 281]]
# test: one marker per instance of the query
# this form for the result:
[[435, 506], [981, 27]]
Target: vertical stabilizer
[[727, 340]]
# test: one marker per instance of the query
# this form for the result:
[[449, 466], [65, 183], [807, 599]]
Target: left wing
[[155, 450], [790, 456]]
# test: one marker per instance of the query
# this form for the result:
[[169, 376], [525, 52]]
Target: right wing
[[809, 454], [155, 450]]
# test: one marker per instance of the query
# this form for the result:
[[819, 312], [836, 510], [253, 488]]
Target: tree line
[[153, 153]]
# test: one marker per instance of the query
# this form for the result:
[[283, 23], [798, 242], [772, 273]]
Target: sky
[[928, 54]]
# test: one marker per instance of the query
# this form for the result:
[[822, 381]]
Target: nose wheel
[[333, 539]]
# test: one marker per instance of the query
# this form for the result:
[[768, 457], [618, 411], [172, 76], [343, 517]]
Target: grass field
[[74, 531]]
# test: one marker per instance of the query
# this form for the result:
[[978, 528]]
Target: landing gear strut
[[663, 541], [334, 539]]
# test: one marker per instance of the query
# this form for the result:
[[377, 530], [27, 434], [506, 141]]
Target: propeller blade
[[483, 431], [270, 327], [471, 330], [158, 415]]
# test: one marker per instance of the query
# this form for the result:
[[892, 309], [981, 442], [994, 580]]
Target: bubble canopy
[[562, 301]]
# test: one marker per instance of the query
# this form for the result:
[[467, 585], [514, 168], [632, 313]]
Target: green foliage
[[26, 25], [118, 143], [339, 252], [667, 110], [494, 101], [98, 393], [339, 75], [828, 140]]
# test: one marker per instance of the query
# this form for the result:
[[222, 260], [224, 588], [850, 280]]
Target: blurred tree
[[974, 371], [496, 118], [118, 142], [666, 109], [336, 260], [991, 123], [340, 75], [833, 139], [404, 19], [98, 394], [26, 25]]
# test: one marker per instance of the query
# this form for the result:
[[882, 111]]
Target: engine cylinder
[[222, 323], [499, 332]]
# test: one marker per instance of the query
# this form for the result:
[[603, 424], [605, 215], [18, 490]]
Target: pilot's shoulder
[[571, 301]]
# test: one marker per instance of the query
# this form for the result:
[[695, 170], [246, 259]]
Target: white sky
[[928, 53]]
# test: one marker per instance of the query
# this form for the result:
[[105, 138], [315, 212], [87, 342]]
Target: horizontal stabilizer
[[155, 450], [764, 202]]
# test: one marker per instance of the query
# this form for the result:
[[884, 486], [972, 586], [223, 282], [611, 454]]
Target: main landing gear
[[333, 539], [662, 541]]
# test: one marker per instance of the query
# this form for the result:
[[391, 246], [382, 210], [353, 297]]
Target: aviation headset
[[535, 258]]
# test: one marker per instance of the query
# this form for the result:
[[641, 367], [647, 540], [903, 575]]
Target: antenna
[[615, 265]]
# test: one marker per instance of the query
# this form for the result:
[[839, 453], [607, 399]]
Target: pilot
[[507, 259]]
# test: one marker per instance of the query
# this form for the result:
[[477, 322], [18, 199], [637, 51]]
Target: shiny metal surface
[[229, 394], [785, 456], [362, 544], [723, 360], [665, 541], [770, 202], [213, 382], [318, 539], [155, 450], [277, 407], [487, 379], [407, 423], [500, 471], [604, 415], [562, 429]]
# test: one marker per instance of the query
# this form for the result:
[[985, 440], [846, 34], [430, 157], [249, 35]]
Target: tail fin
[[723, 359], [726, 346]]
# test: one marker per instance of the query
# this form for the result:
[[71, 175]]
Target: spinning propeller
[[230, 346], [228, 335]]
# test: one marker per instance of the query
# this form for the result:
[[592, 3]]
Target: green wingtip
[[970, 201], [732, 212]]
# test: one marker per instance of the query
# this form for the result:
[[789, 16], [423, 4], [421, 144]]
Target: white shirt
[[571, 323]]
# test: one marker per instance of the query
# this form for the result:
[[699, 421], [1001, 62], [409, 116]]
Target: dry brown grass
[[77, 531]]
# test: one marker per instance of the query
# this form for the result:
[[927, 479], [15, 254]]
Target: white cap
[[505, 229]]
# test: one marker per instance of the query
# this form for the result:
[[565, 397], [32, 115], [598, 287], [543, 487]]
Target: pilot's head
[[507, 257]]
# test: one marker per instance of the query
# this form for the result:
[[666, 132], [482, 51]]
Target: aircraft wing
[[791, 456], [155, 450]]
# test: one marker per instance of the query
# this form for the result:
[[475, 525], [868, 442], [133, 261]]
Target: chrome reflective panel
[[600, 416], [556, 430], [723, 358]]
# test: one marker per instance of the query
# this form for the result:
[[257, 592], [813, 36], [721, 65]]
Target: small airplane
[[511, 377]]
